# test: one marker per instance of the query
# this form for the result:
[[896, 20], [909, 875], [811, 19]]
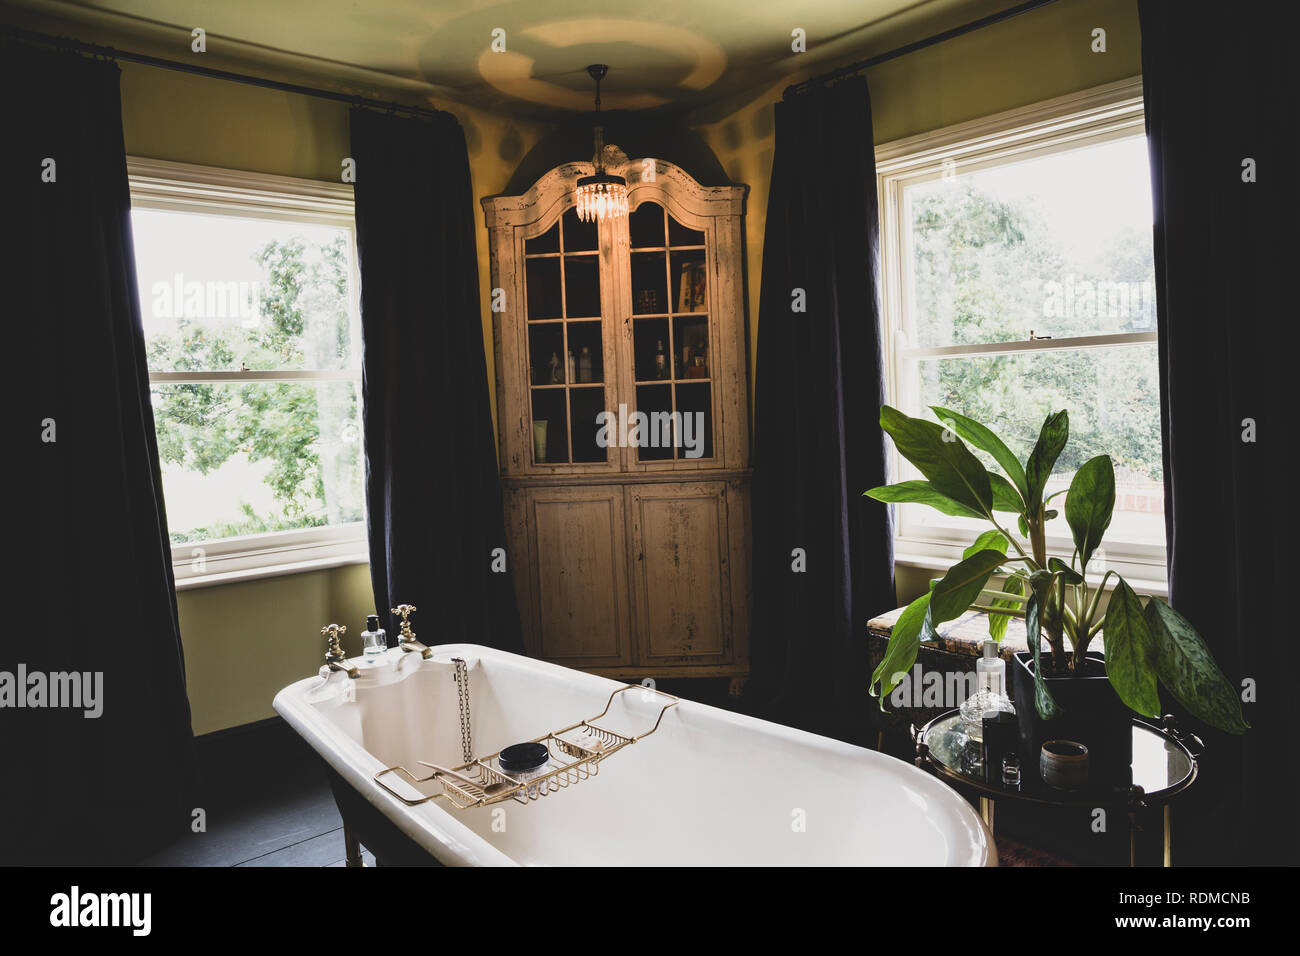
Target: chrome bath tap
[[335, 658], [408, 642]]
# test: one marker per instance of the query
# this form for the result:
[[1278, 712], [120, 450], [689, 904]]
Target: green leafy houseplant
[[1145, 645]]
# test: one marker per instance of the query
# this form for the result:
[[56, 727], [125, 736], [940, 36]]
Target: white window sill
[[269, 571], [1144, 578], [203, 564]]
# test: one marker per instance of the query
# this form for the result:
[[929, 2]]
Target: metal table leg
[[1169, 838], [986, 812]]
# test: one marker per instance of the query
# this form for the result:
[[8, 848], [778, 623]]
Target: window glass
[[254, 352]]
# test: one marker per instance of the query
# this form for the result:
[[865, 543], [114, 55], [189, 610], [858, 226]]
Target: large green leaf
[[1051, 441], [997, 541], [942, 458], [1187, 670], [989, 539], [1068, 573], [1090, 504], [1040, 582], [1005, 496], [900, 653], [959, 588], [1130, 651], [984, 439], [921, 492], [998, 622]]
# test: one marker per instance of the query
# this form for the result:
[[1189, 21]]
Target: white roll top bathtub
[[707, 787]]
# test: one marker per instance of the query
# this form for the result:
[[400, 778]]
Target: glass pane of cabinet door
[[566, 342], [672, 337]]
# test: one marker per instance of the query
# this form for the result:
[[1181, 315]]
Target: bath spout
[[415, 647], [352, 672]]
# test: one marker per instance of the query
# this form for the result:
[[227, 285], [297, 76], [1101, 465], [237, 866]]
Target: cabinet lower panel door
[[682, 573], [579, 569]]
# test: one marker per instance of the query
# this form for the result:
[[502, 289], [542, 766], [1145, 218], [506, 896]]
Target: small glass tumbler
[[1011, 770]]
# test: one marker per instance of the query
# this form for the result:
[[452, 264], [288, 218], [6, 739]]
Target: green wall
[[1028, 59], [245, 641]]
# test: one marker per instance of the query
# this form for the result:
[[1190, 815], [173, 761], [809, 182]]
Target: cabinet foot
[[737, 686]]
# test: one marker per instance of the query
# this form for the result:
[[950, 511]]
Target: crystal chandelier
[[601, 196]]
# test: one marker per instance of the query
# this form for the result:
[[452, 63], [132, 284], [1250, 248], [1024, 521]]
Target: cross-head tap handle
[[404, 611], [332, 633]]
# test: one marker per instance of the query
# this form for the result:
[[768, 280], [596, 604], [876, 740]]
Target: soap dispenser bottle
[[991, 671], [990, 691], [374, 640]]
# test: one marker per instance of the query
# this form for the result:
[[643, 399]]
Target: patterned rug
[[1012, 853]]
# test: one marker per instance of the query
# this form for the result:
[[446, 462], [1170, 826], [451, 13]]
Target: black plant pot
[[1091, 714]]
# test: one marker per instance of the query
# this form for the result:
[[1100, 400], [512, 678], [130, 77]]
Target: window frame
[[185, 187], [1105, 113]]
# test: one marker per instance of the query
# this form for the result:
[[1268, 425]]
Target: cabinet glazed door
[[571, 360], [670, 339], [578, 575], [682, 572]]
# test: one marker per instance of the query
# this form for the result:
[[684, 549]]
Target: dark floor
[[264, 814]]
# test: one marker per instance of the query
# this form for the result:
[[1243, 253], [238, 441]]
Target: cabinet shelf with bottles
[[621, 360]]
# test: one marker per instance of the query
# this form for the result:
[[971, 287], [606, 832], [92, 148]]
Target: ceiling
[[662, 53]]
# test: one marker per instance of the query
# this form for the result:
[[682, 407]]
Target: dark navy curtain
[[823, 557], [93, 605], [1222, 95], [432, 489]]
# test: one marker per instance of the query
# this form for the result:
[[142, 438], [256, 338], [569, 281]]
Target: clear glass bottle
[[990, 691], [374, 640]]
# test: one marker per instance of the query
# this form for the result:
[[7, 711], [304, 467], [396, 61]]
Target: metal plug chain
[[462, 693]]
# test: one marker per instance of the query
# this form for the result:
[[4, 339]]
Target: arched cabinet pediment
[[622, 402]]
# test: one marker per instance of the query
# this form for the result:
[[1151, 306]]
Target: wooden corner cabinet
[[624, 434]]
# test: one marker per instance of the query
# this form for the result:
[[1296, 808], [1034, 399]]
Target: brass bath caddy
[[574, 754]]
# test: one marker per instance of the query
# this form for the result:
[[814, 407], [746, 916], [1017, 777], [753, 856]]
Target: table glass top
[[1159, 764]]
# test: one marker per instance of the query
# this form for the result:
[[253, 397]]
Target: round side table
[[1164, 765]]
